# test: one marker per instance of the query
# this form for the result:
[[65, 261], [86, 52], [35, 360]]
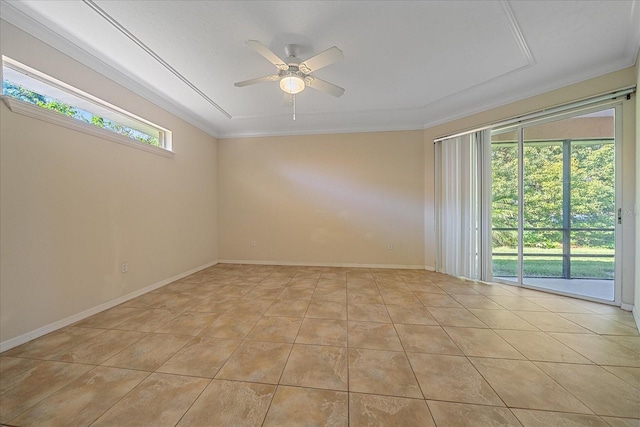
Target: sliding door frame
[[618, 258]]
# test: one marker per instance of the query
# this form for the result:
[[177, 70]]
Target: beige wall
[[567, 94], [636, 208], [336, 199], [74, 207]]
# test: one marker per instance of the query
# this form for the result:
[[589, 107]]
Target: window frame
[[32, 110]]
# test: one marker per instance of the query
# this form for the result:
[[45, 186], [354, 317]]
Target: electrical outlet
[[253, 244], [125, 267], [389, 247]]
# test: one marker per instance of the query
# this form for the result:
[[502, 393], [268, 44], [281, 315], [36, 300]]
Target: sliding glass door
[[553, 205]]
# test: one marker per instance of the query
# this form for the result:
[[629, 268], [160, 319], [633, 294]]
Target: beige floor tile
[[364, 297], [502, 319], [174, 302], [340, 274], [317, 367], [600, 350], [293, 406], [337, 295], [456, 317], [54, 343], [264, 293], [437, 300], [323, 332], [380, 336], [275, 329], [596, 307], [600, 324], [541, 346], [559, 304], [622, 422], [411, 315], [632, 343], [83, 400], [425, 287], [319, 309], [189, 323], [626, 374], [200, 357], [232, 326], [212, 311], [524, 292], [494, 289], [482, 343], [458, 288], [382, 372], [256, 361], [465, 415], [601, 391], [176, 287], [159, 400], [288, 308], [250, 307], [25, 382], [516, 303], [148, 353], [624, 317], [426, 339], [100, 348], [406, 298], [147, 320], [213, 304], [376, 410], [107, 319], [531, 418], [297, 293], [368, 313], [230, 403], [522, 384], [451, 378], [551, 322], [477, 301]]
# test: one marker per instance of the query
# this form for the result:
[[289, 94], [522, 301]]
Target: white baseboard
[[429, 268], [626, 307], [636, 317], [36, 333], [320, 264]]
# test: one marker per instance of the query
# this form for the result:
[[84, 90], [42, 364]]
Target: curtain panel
[[463, 205]]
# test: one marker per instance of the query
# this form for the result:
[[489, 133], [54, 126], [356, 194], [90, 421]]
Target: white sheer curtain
[[463, 205]]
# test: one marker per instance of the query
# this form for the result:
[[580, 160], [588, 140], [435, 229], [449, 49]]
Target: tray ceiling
[[407, 65]]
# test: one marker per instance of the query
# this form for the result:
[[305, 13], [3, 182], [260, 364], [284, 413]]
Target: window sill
[[24, 108]]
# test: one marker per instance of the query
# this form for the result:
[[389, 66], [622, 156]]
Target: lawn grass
[[551, 266]]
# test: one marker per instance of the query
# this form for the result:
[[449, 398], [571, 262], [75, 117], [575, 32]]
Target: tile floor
[[287, 346]]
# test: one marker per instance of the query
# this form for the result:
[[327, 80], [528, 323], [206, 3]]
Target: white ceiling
[[407, 64]]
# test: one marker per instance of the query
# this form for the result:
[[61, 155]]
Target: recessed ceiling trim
[[153, 54], [632, 45], [517, 32], [24, 22], [321, 131]]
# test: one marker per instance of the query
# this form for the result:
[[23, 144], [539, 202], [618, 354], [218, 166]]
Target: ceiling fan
[[294, 75]]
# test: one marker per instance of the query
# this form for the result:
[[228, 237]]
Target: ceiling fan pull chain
[[294, 106]]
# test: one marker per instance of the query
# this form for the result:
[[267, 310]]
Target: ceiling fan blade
[[273, 78], [323, 86], [321, 60], [270, 56]]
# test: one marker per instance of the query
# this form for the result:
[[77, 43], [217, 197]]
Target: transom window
[[30, 86]]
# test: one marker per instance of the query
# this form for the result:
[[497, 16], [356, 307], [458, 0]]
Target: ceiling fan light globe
[[292, 84]]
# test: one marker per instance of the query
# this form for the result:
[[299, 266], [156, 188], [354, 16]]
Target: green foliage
[[26, 95], [592, 193]]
